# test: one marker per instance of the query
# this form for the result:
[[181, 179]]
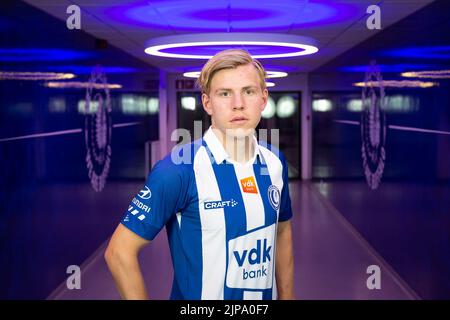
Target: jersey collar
[[218, 150]]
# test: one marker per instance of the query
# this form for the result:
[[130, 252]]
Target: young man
[[227, 212]]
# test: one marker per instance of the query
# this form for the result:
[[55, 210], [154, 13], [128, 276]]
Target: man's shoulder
[[271, 150], [181, 158]]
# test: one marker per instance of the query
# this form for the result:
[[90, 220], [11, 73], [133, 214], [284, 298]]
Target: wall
[[406, 219], [51, 216]]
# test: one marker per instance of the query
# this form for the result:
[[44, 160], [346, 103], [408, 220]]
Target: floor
[[331, 259]]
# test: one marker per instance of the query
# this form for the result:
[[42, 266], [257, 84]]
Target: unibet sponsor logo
[[249, 185], [220, 204], [255, 256], [140, 205]]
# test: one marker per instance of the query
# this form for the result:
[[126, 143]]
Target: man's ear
[[265, 97], [206, 101]]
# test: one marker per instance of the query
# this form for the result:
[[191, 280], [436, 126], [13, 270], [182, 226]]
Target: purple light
[[41, 54], [217, 16], [236, 14], [88, 69], [398, 67], [431, 52]]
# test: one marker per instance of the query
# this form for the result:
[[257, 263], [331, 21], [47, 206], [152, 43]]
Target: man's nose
[[238, 102]]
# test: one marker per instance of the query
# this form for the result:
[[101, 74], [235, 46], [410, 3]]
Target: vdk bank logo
[[258, 255], [249, 185], [98, 128], [250, 260]]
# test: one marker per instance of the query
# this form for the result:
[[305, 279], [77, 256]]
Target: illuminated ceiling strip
[[63, 132], [305, 45], [34, 76], [432, 74], [398, 127], [270, 74], [81, 85], [397, 84], [40, 135], [192, 74], [270, 84], [127, 124], [417, 129]]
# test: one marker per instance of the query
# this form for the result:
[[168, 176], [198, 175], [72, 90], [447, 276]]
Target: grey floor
[[331, 259]]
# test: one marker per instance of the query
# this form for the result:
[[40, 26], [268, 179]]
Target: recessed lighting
[[396, 84], [432, 74], [34, 76], [81, 85]]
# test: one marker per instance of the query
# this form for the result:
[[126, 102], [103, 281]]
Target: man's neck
[[240, 149]]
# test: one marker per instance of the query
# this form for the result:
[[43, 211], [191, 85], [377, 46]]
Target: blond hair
[[228, 59]]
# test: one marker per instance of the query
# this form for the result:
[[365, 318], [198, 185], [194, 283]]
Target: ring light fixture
[[206, 45], [270, 74]]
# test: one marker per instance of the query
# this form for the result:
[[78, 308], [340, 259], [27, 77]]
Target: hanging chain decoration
[[98, 129], [373, 126]]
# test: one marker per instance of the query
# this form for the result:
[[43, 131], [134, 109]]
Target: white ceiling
[[333, 38]]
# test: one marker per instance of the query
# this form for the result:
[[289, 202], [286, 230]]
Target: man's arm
[[285, 262], [121, 256]]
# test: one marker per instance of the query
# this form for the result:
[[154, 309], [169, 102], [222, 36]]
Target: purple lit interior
[[214, 16]]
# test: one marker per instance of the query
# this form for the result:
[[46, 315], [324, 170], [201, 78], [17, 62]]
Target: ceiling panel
[[336, 25]]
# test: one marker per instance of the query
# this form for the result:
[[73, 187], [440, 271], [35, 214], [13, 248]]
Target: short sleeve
[[163, 195], [285, 204]]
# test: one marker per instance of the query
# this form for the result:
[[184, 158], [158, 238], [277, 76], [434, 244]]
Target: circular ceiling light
[[34, 76], [435, 74], [206, 45], [270, 74]]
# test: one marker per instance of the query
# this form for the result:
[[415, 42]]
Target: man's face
[[235, 101]]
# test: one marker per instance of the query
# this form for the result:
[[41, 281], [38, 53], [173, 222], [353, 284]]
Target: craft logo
[[98, 128], [274, 197], [249, 185], [373, 127], [220, 204]]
